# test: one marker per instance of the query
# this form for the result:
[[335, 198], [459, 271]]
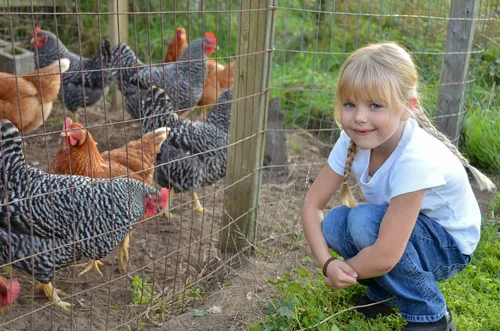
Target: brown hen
[[27, 100], [176, 46], [79, 155]]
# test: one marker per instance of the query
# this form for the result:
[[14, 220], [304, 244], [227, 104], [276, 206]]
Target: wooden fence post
[[459, 40], [248, 116], [117, 34]]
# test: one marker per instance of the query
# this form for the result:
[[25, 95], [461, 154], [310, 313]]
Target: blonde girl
[[422, 221]]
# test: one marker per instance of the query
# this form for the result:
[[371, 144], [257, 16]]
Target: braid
[[484, 182], [345, 192]]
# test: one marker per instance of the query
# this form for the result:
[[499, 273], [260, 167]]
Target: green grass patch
[[304, 301]]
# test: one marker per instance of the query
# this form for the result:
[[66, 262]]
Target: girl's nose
[[360, 115]]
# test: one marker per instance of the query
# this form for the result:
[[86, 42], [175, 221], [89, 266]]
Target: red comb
[[13, 289], [67, 123], [211, 36], [164, 198], [37, 29]]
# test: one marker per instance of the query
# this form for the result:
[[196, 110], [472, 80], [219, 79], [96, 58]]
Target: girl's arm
[[323, 188], [394, 233]]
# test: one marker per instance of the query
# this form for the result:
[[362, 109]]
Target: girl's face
[[372, 124]]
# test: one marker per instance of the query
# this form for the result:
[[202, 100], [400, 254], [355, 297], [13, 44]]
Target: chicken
[[196, 152], [79, 155], [87, 80], [219, 77], [183, 80], [27, 100], [48, 221], [9, 291], [176, 46]]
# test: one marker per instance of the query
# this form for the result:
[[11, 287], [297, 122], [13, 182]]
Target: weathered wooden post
[[248, 116], [118, 32], [459, 39]]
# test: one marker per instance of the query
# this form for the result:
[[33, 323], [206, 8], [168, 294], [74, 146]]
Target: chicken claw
[[197, 205], [53, 295], [91, 265]]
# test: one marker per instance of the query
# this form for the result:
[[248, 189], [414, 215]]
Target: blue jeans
[[430, 255]]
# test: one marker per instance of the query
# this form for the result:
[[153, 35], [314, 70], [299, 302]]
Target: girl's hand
[[340, 275]]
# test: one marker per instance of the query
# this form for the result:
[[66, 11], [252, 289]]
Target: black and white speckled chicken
[[74, 216], [196, 152], [86, 81], [182, 80]]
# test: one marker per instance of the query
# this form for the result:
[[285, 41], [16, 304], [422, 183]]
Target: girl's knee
[[363, 223], [334, 226]]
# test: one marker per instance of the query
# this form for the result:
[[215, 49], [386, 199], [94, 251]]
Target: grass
[[304, 301]]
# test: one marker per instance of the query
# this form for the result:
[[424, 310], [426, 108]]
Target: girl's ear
[[410, 107]]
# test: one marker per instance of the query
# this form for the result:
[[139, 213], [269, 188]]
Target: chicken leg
[[124, 246], [53, 295], [197, 205], [91, 265]]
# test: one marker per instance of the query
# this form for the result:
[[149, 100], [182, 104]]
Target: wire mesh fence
[[117, 96]]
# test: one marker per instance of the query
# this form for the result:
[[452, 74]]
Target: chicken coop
[[154, 149]]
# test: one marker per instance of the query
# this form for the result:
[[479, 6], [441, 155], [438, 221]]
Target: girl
[[422, 221]]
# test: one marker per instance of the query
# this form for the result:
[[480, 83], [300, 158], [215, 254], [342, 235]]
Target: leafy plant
[[142, 293]]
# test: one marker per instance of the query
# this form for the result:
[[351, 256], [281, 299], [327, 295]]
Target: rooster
[[183, 80], [9, 291], [205, 142], [48, 221], [27, 100], [79, 155], [219, 77], [86, 81]]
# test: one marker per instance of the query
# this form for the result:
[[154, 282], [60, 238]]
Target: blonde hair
[[386, 71]]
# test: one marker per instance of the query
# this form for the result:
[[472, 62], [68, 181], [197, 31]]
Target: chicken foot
[[53, 295], [91, 265]]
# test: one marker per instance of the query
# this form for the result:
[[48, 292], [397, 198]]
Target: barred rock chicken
[[27, 100], [183, 80], [206, 141], [176, 46], [57, 219], [219, 77], [79, 155], [9, 291], [86, 81]]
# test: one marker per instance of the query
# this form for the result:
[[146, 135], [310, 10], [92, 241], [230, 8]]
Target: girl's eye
[[375, 106], [349, 105]]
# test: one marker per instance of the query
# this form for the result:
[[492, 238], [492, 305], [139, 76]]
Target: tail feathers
[[10, 140], [125, 61], [223, 103], [155, 105], [160, 135], [107, 54]]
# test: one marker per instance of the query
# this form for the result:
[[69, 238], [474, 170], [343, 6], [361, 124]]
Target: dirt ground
[[177, 252]]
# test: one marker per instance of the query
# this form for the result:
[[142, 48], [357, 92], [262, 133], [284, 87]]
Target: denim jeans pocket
[[448, 271]]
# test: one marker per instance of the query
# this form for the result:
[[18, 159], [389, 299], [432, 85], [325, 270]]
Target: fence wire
[[175, 258]]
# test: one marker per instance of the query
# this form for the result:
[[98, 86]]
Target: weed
[[142, 293]]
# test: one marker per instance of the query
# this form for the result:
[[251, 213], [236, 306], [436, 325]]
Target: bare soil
[[177, 252]]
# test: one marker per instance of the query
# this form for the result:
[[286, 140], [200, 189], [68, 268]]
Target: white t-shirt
[[420, 161]]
